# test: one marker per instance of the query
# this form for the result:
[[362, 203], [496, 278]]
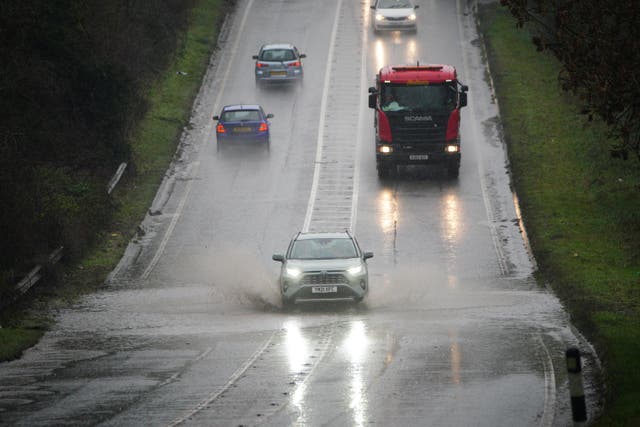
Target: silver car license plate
[[419, 157], [324, 289]]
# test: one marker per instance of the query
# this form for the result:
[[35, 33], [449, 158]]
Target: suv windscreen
[[277, 55], [323, 248]]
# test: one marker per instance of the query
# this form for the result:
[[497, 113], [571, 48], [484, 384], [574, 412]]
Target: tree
[[598, 44]]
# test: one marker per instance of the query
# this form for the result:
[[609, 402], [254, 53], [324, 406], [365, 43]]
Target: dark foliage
[[598, 43], [73, 76]]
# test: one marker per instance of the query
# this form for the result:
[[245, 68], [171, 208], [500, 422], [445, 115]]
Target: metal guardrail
[[116, 177], [40, 271], [37, 273]]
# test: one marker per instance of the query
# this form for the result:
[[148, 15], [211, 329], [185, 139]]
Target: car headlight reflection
[[354, 271], [293, 272]]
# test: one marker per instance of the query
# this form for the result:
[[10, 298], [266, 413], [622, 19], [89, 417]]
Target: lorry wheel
[[453, 169], [385, 170]]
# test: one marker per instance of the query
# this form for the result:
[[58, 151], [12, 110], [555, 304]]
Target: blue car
[[242, 123]]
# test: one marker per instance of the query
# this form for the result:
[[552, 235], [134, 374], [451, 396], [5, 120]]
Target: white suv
[[323, 266]]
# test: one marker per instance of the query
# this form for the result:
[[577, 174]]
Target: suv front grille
[[323, 278]]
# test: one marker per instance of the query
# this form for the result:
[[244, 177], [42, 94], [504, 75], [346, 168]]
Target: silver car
[[278, 63], [323, 266], [394, 15]]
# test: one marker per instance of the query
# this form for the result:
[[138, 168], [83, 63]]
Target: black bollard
[[576, 389]]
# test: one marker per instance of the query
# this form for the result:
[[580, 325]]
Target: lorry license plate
[[419, 157], [324, 289]]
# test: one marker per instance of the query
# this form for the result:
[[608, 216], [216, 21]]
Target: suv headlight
[[293, 272], [354, 271]]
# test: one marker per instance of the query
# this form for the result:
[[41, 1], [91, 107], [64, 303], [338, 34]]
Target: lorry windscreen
[[433, 98]]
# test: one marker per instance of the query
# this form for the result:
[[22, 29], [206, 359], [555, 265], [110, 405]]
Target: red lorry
[[417, 117]]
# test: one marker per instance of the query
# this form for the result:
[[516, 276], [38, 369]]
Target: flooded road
[[189, 329]]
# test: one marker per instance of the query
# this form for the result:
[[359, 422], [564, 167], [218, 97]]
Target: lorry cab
[[417, 116]]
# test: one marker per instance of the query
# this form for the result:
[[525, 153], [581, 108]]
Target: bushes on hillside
[[73, 78], [598, 43]]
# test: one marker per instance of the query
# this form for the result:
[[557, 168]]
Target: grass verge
[[580, 206], [153, 147]]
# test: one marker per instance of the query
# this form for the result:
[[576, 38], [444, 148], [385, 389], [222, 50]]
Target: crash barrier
[[34, 276], [576, 389], [116, 177], [40, 271]]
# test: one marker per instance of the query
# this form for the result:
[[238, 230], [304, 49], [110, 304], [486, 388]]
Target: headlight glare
[[412, 17], [293, 272], [355, 270], [452, 149], [379, 17], [386, 149]]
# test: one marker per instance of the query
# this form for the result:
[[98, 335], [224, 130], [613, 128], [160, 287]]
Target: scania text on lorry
[[417, 117]]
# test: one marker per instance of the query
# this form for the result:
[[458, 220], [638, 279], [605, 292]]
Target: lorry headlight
[[386, 149], [452, 148], [293, 272]]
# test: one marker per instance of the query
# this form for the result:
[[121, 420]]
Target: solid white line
[[504, 269], [548, 413], [323, 110], [234, 377], [363, 107], [183, 201], [177, 374]]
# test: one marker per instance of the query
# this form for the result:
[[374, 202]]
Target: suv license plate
[[324, 289], [419, 157]]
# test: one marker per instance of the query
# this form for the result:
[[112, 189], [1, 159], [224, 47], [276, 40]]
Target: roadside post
[[576, 388]]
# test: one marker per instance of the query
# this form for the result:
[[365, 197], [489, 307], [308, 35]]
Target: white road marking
[[175, 376], [363, 107], [549, 374], [323, 110], [237, 374], [548, 413], [334, 192], [501, 258], [187, 191]]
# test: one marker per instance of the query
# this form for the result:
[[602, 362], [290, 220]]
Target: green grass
[[153, 146], [580, 206], [13, 341]]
